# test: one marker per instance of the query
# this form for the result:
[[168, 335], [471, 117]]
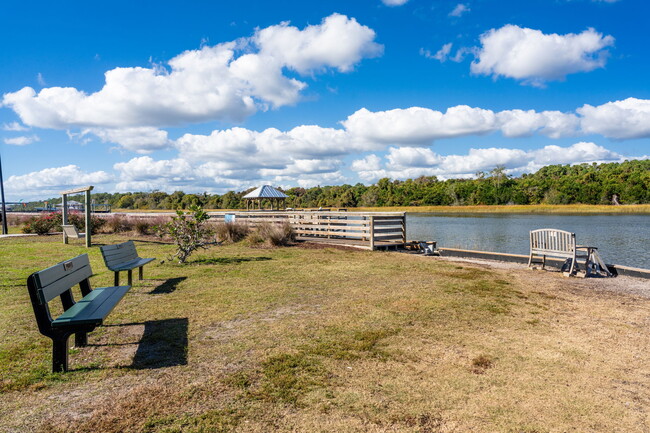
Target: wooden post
[[64, 213], [372, 233], [404, 228], [88, 207]]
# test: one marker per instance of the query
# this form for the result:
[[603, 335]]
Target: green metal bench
[[79, 317], [123, 257]]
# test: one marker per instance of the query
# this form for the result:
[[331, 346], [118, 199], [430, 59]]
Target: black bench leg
[[60, 353], [140, 273], [80, 339], [130, 276], [116, 279]]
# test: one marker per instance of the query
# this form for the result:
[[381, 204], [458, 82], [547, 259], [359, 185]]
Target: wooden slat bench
[[123, 257], [562, 244], [79, 317]]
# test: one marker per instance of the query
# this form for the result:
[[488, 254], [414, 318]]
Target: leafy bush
[[188, 230], [42, 224], [52, 221], [273, 234], [231, 232]]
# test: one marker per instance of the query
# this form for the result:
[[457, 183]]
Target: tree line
[[553, 184]]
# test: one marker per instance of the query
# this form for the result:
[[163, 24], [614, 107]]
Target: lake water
[[621, 239]]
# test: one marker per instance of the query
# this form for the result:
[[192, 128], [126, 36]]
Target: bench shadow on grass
[[168, 286], [163, 344], [227, 260]]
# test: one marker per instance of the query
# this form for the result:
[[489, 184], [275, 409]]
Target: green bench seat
[[123, 257], [78, 317]]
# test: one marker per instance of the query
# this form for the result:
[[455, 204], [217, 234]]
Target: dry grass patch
[[298, 339]]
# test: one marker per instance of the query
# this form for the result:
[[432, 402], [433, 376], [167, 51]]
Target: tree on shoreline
[[553, 184]]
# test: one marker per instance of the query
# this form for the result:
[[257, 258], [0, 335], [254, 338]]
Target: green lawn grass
[[302, 339]]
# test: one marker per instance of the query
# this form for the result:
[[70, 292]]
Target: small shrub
[[17, 220], [188, 230], [231, 232], [96, 224], [273, 234], [52, 221], [43, 223], [142, 226], [118, 224]]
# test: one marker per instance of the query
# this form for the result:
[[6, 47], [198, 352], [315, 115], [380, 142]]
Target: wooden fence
[[369, 229]]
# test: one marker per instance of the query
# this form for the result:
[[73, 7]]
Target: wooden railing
[[372, 229]]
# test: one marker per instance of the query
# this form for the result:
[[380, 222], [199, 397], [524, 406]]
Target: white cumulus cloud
[[629, 118], [338, 42], [417, 125], [227, 81], [534, 57], [14, 126], [139, 140], [44, 183], [22, 140], [411, 162]]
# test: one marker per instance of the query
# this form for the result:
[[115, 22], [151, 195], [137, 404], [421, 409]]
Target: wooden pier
[[368, 230]]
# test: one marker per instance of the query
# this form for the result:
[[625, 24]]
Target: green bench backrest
[[115, 255], [55, 280]]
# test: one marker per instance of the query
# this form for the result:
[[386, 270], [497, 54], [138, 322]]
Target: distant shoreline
[[541, 209], [522, 209]]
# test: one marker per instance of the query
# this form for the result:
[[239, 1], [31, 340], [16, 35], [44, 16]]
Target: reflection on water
[[621, 239]]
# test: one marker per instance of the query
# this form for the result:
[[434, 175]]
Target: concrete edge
[[523, 259]]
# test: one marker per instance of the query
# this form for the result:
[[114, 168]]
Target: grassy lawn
[[326, 340]]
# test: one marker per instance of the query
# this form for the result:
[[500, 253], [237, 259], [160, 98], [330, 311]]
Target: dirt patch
[[620, 284], [323, 246]]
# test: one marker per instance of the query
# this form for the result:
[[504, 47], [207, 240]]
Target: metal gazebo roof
[[265, 191]]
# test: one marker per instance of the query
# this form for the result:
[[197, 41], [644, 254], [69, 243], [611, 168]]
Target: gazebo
[[265, 192]]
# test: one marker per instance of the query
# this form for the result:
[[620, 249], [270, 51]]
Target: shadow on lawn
[[227, 260], [168, 286], [163, 344]]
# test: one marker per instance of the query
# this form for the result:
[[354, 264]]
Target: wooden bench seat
[[123, 257], [562, 244], [79, 317]]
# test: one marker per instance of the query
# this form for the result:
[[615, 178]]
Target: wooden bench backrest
[[70, 231], [53, 281], [553, 242], [115, 255]]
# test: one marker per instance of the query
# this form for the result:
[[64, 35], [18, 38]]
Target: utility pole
[[5, 230]]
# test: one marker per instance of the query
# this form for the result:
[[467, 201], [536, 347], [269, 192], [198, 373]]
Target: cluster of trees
[[554, 184]]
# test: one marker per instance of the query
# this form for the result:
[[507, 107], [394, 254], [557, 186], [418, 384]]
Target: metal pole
[[64, 216], [88, 222], [5, 230]]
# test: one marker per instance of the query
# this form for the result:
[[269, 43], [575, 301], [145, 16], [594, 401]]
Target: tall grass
[[272, 234], [231, 232]]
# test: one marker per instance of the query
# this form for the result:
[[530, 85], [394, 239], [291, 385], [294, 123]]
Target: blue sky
[[216, 96]]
